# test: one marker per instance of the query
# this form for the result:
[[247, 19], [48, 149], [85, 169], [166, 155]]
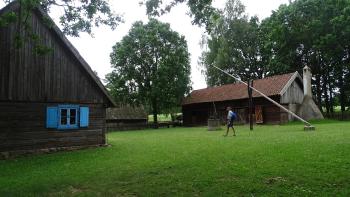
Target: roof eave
[[289, 83], [81, 60], [183, 104]]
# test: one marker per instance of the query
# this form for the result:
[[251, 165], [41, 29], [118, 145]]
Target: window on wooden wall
[[68, 116], [64, 117]]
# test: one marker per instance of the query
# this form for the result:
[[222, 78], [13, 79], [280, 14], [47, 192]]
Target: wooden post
[[250, 101], [248, 88], [215, 112]]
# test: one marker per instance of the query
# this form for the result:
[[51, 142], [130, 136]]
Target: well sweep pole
[[268, 98]]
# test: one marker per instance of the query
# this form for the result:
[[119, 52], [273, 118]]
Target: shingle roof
[[270, 86], [126, 113]]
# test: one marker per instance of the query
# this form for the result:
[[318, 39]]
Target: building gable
[[62, 75], [292, 93]]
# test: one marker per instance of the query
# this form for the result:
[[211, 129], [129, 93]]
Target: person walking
[[231, 116]]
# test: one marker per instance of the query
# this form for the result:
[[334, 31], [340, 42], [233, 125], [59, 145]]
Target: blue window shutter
[[84, 116], [51, 117]]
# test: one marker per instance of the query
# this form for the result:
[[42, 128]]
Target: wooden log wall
[[125, 125], [198, 114], [57, 76], [294, 94], [23, 127]]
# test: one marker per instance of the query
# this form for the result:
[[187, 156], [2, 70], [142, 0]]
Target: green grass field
[[270, 161]]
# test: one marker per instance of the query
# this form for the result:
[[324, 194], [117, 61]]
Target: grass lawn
[[270, 161]]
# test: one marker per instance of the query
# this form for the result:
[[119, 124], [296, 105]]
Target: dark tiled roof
[[126, 113], [270, 86]]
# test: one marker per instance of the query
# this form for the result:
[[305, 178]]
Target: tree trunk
[[342, 93], [325, 93], [155, 114], [319, 92], [331, 99]]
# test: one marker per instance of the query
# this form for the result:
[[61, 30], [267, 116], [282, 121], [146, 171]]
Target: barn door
[[258, 115]]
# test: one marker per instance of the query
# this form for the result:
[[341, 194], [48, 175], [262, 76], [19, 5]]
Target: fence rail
[[338, 115]]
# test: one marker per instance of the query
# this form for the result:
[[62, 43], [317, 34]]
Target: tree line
[[305, 32], [151, 63]]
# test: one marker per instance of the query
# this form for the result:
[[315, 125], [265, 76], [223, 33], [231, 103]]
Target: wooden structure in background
[[250, 103], [49, 101], [259, 114], [286, 89], [126, 118]]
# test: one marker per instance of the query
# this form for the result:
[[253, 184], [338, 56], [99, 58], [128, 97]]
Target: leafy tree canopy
[[201, 10], [313, 33], [79, 16], [151, 67], [235, 44]]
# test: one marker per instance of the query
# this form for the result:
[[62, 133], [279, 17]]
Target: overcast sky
[[96, 50]]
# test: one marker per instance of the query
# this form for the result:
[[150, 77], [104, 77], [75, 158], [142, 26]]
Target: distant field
[[270, 161]]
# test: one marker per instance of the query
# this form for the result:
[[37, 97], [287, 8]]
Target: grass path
[[270, 161]]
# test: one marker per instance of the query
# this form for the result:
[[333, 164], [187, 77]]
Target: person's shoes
[[225, 135], [234, 135]]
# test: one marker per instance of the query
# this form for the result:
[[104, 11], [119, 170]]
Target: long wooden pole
[[268, 98]]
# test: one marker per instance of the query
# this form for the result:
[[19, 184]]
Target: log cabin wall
[[126, 117], [22, 127], [126, 124], [54, 77], [31, 83], [294, 94], [198, 114]]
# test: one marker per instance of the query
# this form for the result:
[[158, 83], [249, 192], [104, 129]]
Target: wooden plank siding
[[29, 83], [198, 113], [294, 94], [125, 125], [54, 77], [22, 127]]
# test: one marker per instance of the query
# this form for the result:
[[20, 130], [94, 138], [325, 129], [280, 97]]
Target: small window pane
[[64, 116], [73, 116]]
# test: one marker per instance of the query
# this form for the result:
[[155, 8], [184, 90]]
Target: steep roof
[[15, 5], [126, 113], [270, 86]]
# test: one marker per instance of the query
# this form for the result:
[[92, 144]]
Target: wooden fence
[[338, 115]]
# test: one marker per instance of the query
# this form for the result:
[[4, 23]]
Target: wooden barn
[[49, 102], [287, 89], [126, 118]]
